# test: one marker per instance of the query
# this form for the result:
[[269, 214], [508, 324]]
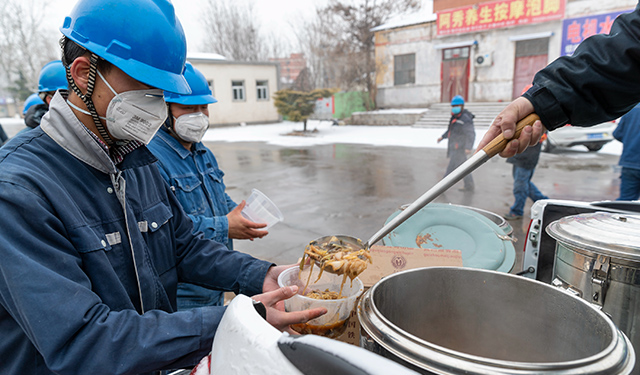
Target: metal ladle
[[487, 152], [490, 150]]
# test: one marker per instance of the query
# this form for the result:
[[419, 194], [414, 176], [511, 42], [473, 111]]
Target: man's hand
[[505, 123], [240, 228], [273, 296], [276, 315], [439, 139]]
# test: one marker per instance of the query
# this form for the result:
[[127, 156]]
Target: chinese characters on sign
[[498, 14], [575, 30]]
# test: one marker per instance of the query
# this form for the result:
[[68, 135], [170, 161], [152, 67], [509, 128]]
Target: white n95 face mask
[[191, 126], [135, 115]]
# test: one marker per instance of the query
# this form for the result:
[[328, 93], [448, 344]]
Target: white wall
[[251, 110]]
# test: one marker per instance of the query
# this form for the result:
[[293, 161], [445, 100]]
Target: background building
[[244, 89], [484, 51]]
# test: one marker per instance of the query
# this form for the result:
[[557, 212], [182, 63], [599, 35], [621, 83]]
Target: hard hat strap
[[86, 98]]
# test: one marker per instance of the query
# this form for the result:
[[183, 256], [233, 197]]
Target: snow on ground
[[406, 136], [277, 134]]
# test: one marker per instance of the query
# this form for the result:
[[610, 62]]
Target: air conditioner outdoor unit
[[484, 59]]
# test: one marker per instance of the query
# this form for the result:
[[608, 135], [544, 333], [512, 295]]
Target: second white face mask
[[136, 114], [192, 126]]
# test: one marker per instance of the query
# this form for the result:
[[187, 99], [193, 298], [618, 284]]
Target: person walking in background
[[461, 135], [627, 133], [524, 165], [192, 171]]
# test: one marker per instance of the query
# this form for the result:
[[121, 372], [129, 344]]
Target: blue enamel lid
[[442, 226]]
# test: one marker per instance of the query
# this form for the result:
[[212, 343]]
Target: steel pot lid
[[610, 234]]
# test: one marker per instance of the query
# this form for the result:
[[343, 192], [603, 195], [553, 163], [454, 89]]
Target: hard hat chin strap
[[86, 98]]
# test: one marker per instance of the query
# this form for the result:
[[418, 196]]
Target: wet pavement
[[353, 189]]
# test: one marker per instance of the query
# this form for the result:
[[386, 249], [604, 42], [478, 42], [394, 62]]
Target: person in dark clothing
[[461, 135], [524, 165], [627, 133], [3, 136], [598, 83]]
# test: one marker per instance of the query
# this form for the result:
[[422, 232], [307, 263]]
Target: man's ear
[[80, 72]]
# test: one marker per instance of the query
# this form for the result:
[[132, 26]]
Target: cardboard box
[[388, 260]]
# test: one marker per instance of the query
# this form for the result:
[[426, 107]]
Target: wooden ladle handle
[[499, 143]]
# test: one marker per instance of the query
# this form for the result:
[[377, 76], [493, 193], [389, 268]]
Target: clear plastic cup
[[261, 209], [334, 322]]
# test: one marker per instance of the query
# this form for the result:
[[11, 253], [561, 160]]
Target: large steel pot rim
[[442, 360]]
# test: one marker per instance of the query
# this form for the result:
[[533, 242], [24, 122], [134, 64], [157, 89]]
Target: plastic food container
[[260, 209], [334, 322]]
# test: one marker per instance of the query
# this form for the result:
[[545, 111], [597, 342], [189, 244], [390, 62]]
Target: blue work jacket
[[627, 133], [197, 182], [91, 255]]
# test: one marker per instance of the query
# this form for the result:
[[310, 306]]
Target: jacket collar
[[62, 125], [175, 145]]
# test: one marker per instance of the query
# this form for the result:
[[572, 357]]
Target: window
[[262, 88], [237, 88], [459, 53], [532, 47], [404, 69]]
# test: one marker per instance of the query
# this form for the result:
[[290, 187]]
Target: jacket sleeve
[[619, 131], [45, 290], [598, 83], [215, 228], [470, 132]]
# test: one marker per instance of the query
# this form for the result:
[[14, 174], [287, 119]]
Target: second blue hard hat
[[457, 100], [52, 77], [200, 91]]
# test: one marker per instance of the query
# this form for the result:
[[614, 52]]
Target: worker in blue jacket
[[628, 133], [192, 171], [94, 242]]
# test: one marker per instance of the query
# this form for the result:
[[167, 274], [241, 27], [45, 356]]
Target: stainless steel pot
[[448, 320], [598, 259]]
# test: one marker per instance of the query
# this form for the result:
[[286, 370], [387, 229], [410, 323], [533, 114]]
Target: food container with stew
[[334, 322]]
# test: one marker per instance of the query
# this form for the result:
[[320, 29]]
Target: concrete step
[[439, 114]]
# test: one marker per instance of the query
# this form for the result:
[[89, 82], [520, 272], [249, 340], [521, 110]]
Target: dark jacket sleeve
[[598, 83], [34, 115], [3, 136], [469, 131]]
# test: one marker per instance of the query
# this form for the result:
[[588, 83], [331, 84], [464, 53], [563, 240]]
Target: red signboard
[[497, 14]]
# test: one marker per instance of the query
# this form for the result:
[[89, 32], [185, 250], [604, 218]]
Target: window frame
[[238, 89], [404, 70], [264, 87]]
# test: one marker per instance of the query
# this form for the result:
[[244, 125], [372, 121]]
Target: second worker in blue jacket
[[192, 171]]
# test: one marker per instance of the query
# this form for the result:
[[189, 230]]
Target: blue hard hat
[[143, 38], [32, 100], [52, 77], [200, 91], [457, 100]]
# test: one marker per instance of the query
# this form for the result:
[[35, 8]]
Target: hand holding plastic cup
[[261, 209]]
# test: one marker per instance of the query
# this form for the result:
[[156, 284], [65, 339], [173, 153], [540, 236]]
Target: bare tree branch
[[339, 42], [25, 45], [233, 30]]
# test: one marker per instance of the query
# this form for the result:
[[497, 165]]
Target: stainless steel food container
[[598, 259], [449, 320]]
